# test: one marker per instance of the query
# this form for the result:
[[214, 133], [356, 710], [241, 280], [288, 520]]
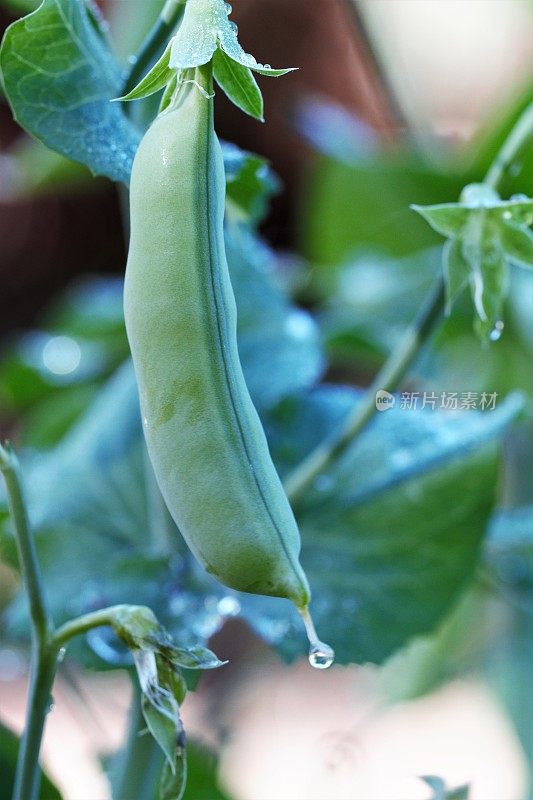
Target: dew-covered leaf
[[238, 83], [205, 27], [196, 38], [59, 76], [390, 534]]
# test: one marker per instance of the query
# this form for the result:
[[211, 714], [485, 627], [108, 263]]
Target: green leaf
[[250, 183], [447, 219], [517, 244], [154, 80], [456, 271], [9, 745], [59, 77], [391, 534], [480, 224], [173, 781], [196, 39], [204, 28], [202, 783], [168, 94], [239, 84], [195, 657], [159, 706]]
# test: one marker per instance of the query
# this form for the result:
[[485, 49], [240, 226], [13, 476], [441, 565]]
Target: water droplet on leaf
[[496, 331], [234, 27], [227, 8]]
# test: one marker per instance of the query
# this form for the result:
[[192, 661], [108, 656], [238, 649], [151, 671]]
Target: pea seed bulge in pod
[[266, 508]]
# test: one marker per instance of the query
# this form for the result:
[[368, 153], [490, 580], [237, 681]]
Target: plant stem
[[42, 674], [29, 565], [154, 43], [141, 760], [387, 378], [43, 656], [508, 152], [75, 627]]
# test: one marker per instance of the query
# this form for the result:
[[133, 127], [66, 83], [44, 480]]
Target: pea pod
[[203, 434]]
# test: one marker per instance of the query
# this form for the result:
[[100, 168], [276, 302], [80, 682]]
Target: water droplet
[[250, 59], [61, 654], [497, 331], [227, 8], [267, 66], [507, 215], [321, 656], [50, 706], [234, 27]]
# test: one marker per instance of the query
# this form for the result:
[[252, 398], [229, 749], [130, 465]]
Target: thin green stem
[[387, 379], [75, 627], [522, 131], [153, 45], [29, 565], [43, 656], [42, 674]]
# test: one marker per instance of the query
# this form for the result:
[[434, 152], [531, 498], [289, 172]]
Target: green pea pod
[[203, 434]]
